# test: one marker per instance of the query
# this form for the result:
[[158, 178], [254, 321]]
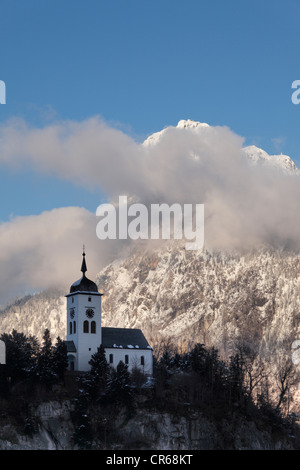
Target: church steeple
[[84, 332], [83, 265], [84, 284]]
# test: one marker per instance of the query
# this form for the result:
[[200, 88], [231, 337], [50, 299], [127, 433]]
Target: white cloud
[[89, 153], [44, 251], [244, 206]]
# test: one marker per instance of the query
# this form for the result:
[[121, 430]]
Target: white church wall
[[86, 343], [2, 352], [135, 356]]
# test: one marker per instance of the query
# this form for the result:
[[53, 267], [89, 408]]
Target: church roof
[[70, 346], [126, 338], [83, 284]]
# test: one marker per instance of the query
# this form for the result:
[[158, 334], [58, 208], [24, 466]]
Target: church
[[85, 332]]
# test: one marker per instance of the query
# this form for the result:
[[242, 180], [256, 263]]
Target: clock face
[[89, 312], [72, 313]]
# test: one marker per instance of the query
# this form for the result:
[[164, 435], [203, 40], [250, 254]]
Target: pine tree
[[21, 354], [99, 373], [197, 358], [83, 430], [60, 358], [236, 378], [119, 391], [45, 366], [99, 366]]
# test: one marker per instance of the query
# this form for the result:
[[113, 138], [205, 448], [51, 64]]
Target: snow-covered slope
[[191, 295], [281, 162], [153, 139], [33, 314], [214, 298]]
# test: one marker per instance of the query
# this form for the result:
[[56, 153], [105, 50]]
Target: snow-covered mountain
[[216, 298], [182, 124], [280, 162], [185, 294], [254, 154]]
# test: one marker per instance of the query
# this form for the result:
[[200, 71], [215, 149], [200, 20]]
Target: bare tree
[[254, 368], [285, 377]]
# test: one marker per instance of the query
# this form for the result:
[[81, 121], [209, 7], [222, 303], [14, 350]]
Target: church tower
[[83, 321]]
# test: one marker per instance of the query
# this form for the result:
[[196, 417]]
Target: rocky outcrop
[[159, 430], [147, 429], [51, 429]]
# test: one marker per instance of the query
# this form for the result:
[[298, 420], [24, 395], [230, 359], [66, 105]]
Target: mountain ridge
[[219, 298], [254, 154]]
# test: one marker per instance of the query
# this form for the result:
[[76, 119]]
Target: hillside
[[218, 299], [195, 401], [214, 298]]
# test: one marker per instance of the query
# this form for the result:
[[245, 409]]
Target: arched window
[[93, 327], [142, 361], [74, 327], [85, 326], [111, 358], [70, 329], [126, 358], [71, 362]]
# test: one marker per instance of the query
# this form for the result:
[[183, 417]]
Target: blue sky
[[137, 66], [143, 65]]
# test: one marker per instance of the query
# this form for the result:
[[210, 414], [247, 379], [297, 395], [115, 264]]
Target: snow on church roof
[[126, 338]]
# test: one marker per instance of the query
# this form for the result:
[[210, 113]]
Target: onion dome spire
[[84, 284]]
